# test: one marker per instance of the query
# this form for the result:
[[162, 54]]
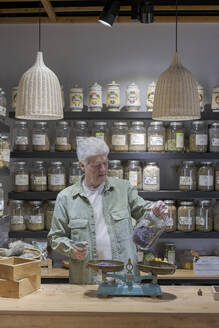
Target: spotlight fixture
[[146, 13], [110, 12]]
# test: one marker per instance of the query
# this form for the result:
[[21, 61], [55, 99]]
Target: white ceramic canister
[[113, 97], [133, 97], [95, 98], [201, 96], [14, 97], [150, 96], [215, 99], [76, 102]]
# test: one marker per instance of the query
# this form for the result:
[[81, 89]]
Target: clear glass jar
[[21, 138], [3, 105], [156, 136], [100, 130], [206, 177], [169, 250], [80, 132], [214, 137], [151, 176], [171, 219], [175, 136], [186, 216], [56, 176], [40, 138], [216, 215], [198, 139], [187, 176], [75, 173], [133, 173], [49, 213], [119, 137], [35, 219], [137, 137], [62, 140], [204, 216], [2, 203], [5, 150], [216, 177], [17, 215], [115, 169], [21, 177], [38, 176]]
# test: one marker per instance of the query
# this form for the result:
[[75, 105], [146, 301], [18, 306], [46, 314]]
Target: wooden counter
[[55, 306]]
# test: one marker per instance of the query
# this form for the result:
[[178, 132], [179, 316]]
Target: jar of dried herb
[[40, 138], [206, 176], [186, 216], [187, 176]]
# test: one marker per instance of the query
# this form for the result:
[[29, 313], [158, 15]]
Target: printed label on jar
[[21, 179], [73, 179], [137, 139], [21, 140], [6, 155], [171, 256], [95, 99], [76, 100], [200, 221], [133, 178], [201, 140], [132, 98], [112, 99], [62, 141], [39, 139], [2, 111], [118, 140], [56, 179], [156, 141], [179, 140], [215, 141], [206, 180], [169, 222], [185, 181], [35, 219], [150, 180], [79, 139], [40, 180], [1, 205], [100, 135], [17, 219], [185, 220]]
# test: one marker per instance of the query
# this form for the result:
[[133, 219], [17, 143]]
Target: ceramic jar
[[150, 96], [133, 97], [113, 97], [76, 102], [215, 99], [95, 98]]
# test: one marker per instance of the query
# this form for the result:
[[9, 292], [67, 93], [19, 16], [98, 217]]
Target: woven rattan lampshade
[[39, 93], [176, 96]]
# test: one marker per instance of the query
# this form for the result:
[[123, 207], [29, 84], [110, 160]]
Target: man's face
[[95, 171]]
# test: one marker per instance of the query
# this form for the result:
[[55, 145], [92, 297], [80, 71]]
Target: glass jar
[[49, 213], [198, 139], [56, 176], [206, 177], [186, 216], [133, 173], [204, 216], [62, 140], [21, 140], [214, 137], [74, 173], [17, 215], [21, 177], [216, 215], [80, 133], [119, 137], [2, 203], [216, 178], [156, 136], [5, 150], [151, 176], [100, 130], [40, 138], [171, 218], [3, 105], [169, 250], [137, 137], [175, 137], [115, 169], [187, 176], [35, 219], [38, 176]]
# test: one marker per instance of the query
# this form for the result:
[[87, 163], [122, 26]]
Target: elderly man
[[93, 218]]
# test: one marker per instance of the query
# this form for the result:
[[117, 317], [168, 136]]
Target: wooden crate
[[46, 266], [15, 268], [19, 288]]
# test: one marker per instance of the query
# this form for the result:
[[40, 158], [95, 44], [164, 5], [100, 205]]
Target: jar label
[[185, 181], [148, 180], [156, 141], [61, 141], [200, 221], [76, 100], [215, 141], [112, 99], [95, 99], [73, 179], [201, 140], [2, 111], [132, 98], [6, 155], [17, 219], [56, 179], [133, 178], [215, 100], [1, 205], [35, 219], [21, 140], [150, 98], [42, 180], [169, 222], [137, 139], [179, 140], [21, 179], [100, 135], [39, 139], [79, 139], [185, 220], [206, 180], [118, 140]]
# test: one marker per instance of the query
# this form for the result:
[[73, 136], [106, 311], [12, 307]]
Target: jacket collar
[[78, 187]]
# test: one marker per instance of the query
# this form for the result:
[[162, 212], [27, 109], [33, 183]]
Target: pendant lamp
[[39, 93], [176, 95]]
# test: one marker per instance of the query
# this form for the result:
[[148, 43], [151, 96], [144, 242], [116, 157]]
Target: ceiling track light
[[146, 12], [110, 12]]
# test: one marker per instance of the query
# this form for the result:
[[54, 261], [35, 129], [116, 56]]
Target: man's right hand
[[80, 250]]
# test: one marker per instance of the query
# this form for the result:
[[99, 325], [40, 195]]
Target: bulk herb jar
[[186, 216], [100, 130], [151, 176], [214, 137], [137, 137], [62, 140], [49, 213], [17, 215], [40, 138], [198, 139], [171, 217], [80, 133], [21, 138], [35, 219], [115, 169], [175, 137], [216, 178], [156, 136], [21, 177], [204, 216], [74, 173], [56, 176], [119, 137], [38, 176], [216, 215], [133, 173], [187, 176], [206, 177]]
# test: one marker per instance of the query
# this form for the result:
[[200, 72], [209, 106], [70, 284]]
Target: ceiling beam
[[49, 10]]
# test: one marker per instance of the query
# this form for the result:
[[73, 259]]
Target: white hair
[[91, 146]]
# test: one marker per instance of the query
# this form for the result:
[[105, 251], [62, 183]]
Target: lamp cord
[[39, 26], [176, 23]]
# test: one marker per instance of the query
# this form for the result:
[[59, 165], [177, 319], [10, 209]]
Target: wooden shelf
[[28, 234]]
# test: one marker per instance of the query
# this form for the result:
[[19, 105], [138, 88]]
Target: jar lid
[[134, 162], [120, 123], [35, 202], [52, 202], [169, 245], [76, 89], [169, 201], [21, 123], [138, 123], [39, 163], [75, 163], [65, 123], [186, 203], [215, 124], [176, 123], [151, 163], [152, 84], [4, 136], [115, 161], [198, 123], [20, 163], [40, 123], [205, 202], [98, 123], [206, 163], [81, 123], [15, 88], [156, 123], [113, 84], [16, 201], [56, 163], [96, 86], [188, 162]]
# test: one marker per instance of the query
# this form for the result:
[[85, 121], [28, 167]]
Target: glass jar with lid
[[204, 216], [216, 177], [35, 218], [137, 136], [17, 215], [156, 136], [49, 213], [175, 136], [75, 173], [171, 217], [133, 173], [119, 136], [5, 150], [21, 138], [206, 176], [187, 176], [21, 177], [40, 138], [169, 252], [100, 130], [2, 203], [198, 139], [115, 169], [80, 133], [62, 139], [151, 176], [38, 176], [216, 215], [56, 176], [214, 137], [186, 216]]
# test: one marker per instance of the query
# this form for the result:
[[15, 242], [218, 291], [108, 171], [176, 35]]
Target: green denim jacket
[[73, 221]]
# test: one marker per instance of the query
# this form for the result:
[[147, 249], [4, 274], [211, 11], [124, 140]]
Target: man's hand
[[80, 250], [159, 208]]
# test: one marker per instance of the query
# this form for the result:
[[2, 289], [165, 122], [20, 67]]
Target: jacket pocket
[[79, 230], [122, 224]]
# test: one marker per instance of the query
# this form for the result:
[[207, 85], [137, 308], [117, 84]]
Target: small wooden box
[[19, 288], [16, 268], [46, 266]]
